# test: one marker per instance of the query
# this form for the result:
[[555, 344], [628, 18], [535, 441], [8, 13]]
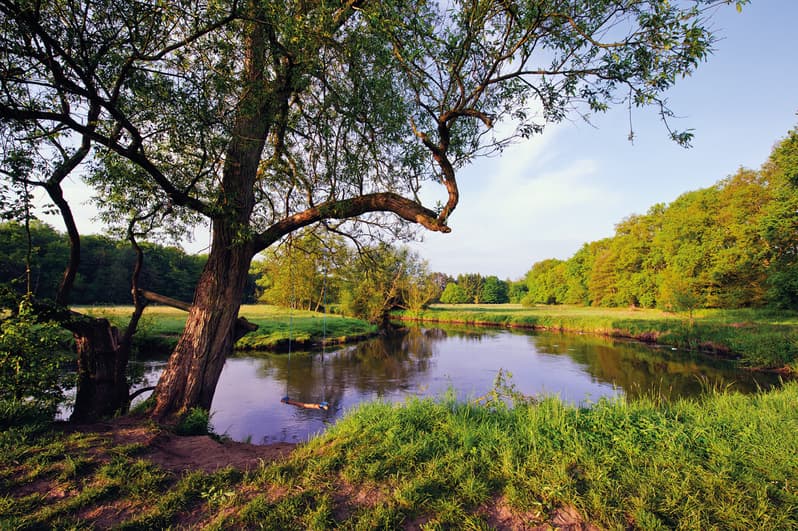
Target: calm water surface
[[429, 362]]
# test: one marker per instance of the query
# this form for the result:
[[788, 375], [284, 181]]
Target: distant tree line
[[734, 244], [105, 268], [317, 272], [473, 288]]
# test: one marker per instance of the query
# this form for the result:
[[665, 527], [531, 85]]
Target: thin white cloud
[[529, 204]]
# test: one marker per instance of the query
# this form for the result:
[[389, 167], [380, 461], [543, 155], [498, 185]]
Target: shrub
[[31, 359]]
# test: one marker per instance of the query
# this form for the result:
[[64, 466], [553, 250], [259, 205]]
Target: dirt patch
[[201, 452], [111, 514], [178, 453], [500, 515], [349, 498]]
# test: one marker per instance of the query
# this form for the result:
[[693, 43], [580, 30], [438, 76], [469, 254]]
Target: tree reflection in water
[[380, 366]]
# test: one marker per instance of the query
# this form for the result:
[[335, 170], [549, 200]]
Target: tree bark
[[193, 371]]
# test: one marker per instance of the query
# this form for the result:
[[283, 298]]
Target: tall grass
[[728, 461]]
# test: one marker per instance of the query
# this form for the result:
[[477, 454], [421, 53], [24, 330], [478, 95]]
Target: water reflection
[[427, 362]]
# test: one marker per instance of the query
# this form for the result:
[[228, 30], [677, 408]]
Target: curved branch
[[351, 208]]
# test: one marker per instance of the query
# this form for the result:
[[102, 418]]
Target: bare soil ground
[[178, 453]]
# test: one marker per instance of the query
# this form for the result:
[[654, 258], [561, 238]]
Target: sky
[[547, 196]]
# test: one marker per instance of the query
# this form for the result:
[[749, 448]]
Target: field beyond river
[[762, 339]]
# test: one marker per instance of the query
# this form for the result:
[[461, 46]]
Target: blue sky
[[546, 197]]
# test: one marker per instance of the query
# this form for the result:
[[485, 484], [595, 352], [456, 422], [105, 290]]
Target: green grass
[[724, 461], [758, 338], [161, 326], [728, 461]]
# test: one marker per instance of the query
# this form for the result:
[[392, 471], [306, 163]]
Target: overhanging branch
[[352, 208]]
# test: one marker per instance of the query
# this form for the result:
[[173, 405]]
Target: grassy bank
[[758, 338], [161, 326], [727, 461]]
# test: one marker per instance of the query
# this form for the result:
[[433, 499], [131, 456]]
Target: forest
[[732, 245], [105, 269]]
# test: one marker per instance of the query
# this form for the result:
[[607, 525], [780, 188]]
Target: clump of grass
[[196, 422], [726, 461]]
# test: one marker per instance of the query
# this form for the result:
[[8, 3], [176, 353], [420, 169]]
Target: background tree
[[421, 288], [546, 283], [517, 291], [302, 273], [495, 291], [378, 280], [779, 224], [32, 359], [471, 284], [454, 294]]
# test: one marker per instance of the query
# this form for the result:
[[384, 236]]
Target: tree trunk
[[102, 389], [193, 371]]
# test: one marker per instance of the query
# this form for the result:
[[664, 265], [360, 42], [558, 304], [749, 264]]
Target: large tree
[[265, 117]]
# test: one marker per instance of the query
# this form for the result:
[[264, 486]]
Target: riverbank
[[726, 461], [161, 327], [757, 339]]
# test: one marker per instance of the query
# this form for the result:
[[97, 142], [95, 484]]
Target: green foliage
[[105, 269], [495, 291], [546, 283], [779, 226], [32, 358], [517, 291], [49, 256], [382, 278], [471, 284], [302, 273], [454, 294], [196, 421]]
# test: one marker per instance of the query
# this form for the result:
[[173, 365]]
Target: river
[[422, 362]]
